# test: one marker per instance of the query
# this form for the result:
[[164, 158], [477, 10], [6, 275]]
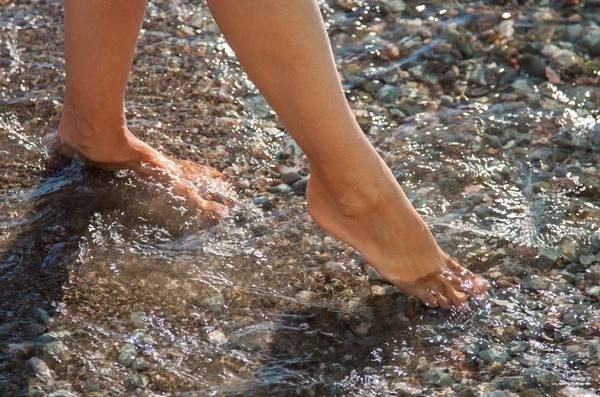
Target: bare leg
[[283, 46], [100, 39]]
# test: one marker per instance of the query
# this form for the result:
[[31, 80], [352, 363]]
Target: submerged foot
[[197, 183], [380, 223]]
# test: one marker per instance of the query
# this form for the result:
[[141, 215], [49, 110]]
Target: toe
[[457, 298], [480, 284], [443, 300]]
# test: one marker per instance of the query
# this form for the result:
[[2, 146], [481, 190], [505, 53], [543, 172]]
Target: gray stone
[[540, 377], [388, 94], [533, 65], [395, 5], [490, 356], [9, 328], [138, 337], [447, 101], [593, 290], [587, 260], [571, 319], [593, 273], [436, 377], [43, 315], [378, 291], [53, 336], [214, 303], [576, 392], [137, 382], [512, 383], [217, 337], [62, 393], [373, 275], [591, 41], [290, 175], [127, 355], [263, 202], [595, 239], [139, 364], [569, 250], [35, 329], [533, 282], [138, 319], [282, 188], [493, 394], [546, 258], [517, 346], [40, 368]]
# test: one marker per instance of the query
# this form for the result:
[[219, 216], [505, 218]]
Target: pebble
[[263, 202], [127, 355], [388, 94], [517, 346], [571, 391], [568, 250], [490, 356], [587, 260], [378, 291], [62, 393], [35, 329], [593, 290], [591, 41], [40, 368], [43, 315], [539, 377], [214, 303], [137, 381], [290, 175], [546, 258], [436, 377], [593, 273], [533, 282], [217, 337], [138, 319], [533, 65], [139, 364], [9, 328]]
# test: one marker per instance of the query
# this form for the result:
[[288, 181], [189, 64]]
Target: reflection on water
[[118, 288]]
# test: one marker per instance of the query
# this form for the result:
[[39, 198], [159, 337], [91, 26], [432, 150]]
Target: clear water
[[265, 303]]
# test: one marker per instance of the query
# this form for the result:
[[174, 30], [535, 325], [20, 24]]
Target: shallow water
[[499, 157]]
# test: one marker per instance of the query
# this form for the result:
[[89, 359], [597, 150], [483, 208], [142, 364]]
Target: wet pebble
[[568, 250], [34, 329], [9, 328], [214, 303], [490, 356], [539, 377], [534, 282], [593, 273], [517, 346], [62, 393], [43, 315], [127, 355], [436, 377], [138, 319], [290, 175], [137, 381], [378, 291], [217, 337], [593, 291], [40, 368], [587, 260], [139, 364]]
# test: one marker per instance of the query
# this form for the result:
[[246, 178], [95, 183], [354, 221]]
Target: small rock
[[388, 94], [517, 346], [568, 250], [62, 393], [593, 290], [9, 328], [43, 315], [290, 175], [40, 368], [263, 202], [373, 275], [490, 356], [533, 282], [378, 290], [54, 336], [591, 41], [576, 392], [138, 319], [363, 328], [214, 303], [35, 329], [587, 260], [137, 382], [436, 377], [533, 65], [141, 365], [447, 101], [593, 273], [545, 259], [395, 5], [127, 355], [539, 377], [280, 189], [217, 337]]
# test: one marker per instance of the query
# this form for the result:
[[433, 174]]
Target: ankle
[[99, 136], [350, 199]]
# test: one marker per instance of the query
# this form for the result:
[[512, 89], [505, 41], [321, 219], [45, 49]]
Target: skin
[[351, 192]]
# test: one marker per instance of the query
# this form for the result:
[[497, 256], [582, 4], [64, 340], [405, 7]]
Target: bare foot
[[122, 150], [379, 222]]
